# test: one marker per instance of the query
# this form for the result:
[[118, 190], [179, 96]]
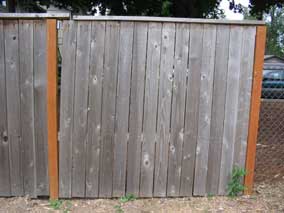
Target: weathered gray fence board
[[94, 107], [40, 108], [122, 108], [164, 109], [178, 109], [205, 106], [231, 112], [108, 107], [150, 109], [244, 96], [23, 131], [155, 107], [192, 109], [79, 137], [4, 145], [13, 105], [66, 107], [136, 107], [27, 106], [218, 108]]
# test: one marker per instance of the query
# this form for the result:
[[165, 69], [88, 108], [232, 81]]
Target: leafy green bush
[[235, 186]]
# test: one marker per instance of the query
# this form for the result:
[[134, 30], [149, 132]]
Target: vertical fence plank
[[122, 108], [255, 106], [66, 107], [80, 109], [244, 96], [231, 111], [164, 109], [205, 106], [108, 108], [150, 109], [218, 108], [94, 107], [13, 105], [40, 106], [178, 109], [136, 107], [191, 110], [27, 106], [4, 145], [52, 107]]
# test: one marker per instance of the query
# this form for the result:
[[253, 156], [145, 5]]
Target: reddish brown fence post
[[255, 106], [52, 107]]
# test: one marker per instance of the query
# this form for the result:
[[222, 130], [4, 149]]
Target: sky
[[229, 13]]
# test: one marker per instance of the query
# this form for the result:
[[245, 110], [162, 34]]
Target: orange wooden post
[[52, 107], [255, 106]]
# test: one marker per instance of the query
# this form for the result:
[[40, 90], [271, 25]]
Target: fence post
[[52, 107], [255, 106]]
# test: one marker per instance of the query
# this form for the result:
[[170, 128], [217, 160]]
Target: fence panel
[[153, 108], [23, 143]]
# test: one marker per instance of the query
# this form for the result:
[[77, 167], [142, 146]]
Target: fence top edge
[[34, 15], [167, 19]]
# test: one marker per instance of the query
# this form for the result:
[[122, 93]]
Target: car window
[[275, 75]]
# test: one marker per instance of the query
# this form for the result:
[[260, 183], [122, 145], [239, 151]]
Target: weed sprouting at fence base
[[235, 186]]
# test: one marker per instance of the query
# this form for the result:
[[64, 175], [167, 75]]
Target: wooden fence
[[150, 106], [23, 127], [153, 108]]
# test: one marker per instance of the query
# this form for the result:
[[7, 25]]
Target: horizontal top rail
[[127, 18], [34, 15], [168, 19]]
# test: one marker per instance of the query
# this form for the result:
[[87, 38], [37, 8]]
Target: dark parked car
[[273, 83]]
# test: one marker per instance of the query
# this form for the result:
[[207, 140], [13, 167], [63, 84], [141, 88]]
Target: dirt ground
[[267, 198]]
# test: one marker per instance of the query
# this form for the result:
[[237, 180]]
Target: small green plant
[[235, 186], [68, 207], [60, 205], [55, 204], [118, 209], [210, 196], [127, 198]]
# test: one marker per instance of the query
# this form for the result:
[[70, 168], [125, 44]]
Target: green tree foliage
[[257, 7], [176, 8], [275, 31], [274, 19]]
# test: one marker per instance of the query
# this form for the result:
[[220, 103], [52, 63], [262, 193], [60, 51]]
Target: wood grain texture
[[160, 109], [52, 107], [205, 107], [231, 112], [150, 109], [79, 132], [40, 108], [254, 106], [164, 109], [67, 107], [108, 107], [5, 188], [192, 109], [94, 107], [248, 43], [27, 106], [136, 107], [178, 109], [11, 32], [122, 108], [218, 108], [166, 19]]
